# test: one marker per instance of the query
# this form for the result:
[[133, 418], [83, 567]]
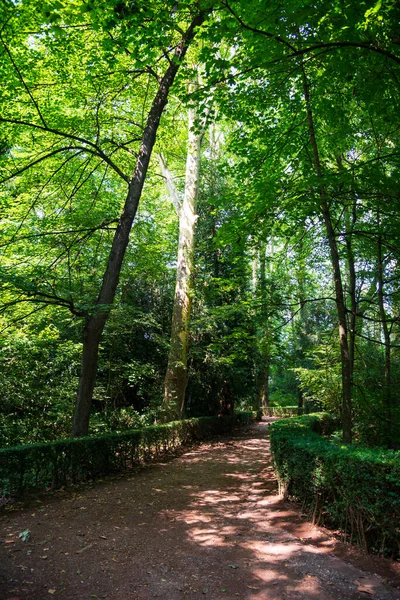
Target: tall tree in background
[[176, 376], [94, 324], [336, 268]]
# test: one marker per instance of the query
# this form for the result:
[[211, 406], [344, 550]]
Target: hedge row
[[351, 488], [55, 464], [283, 411]]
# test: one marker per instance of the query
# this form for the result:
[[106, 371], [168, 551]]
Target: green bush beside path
[[352, 488], [55, 464]]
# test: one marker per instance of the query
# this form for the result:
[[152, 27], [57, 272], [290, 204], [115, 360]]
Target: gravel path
[[208, 524]]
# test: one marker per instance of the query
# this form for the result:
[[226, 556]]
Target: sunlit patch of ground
[[206, 525]]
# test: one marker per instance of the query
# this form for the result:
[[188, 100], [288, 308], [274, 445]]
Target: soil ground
[[207, 524]]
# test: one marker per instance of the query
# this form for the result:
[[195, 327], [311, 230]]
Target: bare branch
[[103, 225], [365, 337], [23, 81], [93, 148], [41, 159]]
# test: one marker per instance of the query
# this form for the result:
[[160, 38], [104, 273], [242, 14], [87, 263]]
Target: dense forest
[[200, 211]]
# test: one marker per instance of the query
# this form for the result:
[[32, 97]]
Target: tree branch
[[96, 149], [103, 225], [23, 81], [320, 46]]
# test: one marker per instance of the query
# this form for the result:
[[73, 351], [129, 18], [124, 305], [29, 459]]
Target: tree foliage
[[298, 188]]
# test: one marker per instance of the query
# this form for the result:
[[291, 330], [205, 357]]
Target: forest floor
[[207, 524]]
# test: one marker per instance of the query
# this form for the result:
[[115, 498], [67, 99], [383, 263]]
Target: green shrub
[[322, 384], [283, 411], [281, 398], [352, 488], [54, 464]]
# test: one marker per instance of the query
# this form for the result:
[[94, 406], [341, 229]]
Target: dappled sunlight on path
[[206, 525]]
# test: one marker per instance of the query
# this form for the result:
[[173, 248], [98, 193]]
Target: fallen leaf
[[233, 566], [51, 591], [366, 590], [85, 548], [25, 536], [366, 586]]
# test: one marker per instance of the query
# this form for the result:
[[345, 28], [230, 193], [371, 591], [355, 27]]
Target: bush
[[280, 398], [283, 411], [55, 464], [352, 488], [322, 384]]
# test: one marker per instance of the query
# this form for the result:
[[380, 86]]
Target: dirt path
[[205, 525]]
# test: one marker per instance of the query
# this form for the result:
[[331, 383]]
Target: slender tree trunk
[[265, 349], [337, 276], [176, 376], [264, 391], [254, 276], [350, 224], [95, 322], [300, 400], [300, 330], [386, 336], [214, 190]]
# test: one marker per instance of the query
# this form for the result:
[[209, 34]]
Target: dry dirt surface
[[207, 524]]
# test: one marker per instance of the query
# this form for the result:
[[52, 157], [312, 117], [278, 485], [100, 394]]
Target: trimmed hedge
[[55, 464], [351, 488], [283, 411]]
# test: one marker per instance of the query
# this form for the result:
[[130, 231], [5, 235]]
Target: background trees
[[298, 210]]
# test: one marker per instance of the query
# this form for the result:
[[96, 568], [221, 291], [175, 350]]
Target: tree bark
[[337, 276], [95, 322], [386, 335], [265, 345], [350, 224], [176, 375]]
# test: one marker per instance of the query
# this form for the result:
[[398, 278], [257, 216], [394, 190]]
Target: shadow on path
[[206, 525]]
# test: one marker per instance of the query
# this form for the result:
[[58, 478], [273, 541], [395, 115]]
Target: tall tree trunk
[[337, 276], [386, 334], [95, 322], [300, 331], [176, 376], [350, 224], [265, 345], [264, 383]]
